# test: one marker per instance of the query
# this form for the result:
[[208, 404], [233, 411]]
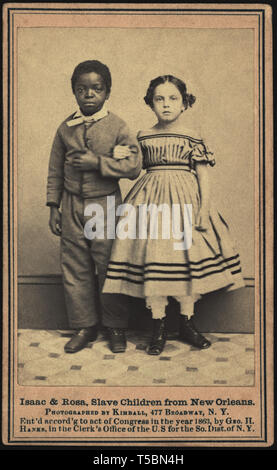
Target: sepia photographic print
[[138, 225]]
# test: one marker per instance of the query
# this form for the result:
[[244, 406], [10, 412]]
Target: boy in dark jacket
[[91, 151]]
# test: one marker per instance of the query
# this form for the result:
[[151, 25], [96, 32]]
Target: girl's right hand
[[202, 221], [55, 221]]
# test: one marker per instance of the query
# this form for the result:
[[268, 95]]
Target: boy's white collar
[[79, 117]]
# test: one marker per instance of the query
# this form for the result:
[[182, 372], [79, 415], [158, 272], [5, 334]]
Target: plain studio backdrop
[[218, 68]]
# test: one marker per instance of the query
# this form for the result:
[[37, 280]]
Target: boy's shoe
[[158, 338], [190, 335], [117, 339], [81, 338]]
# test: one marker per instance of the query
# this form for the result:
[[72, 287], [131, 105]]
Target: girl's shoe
[[158, 338], [190, 335]]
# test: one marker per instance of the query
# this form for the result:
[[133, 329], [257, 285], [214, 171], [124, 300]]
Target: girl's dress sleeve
[[201, 153]]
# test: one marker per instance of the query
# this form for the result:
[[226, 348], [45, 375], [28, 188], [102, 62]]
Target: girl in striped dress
[[154, 262]]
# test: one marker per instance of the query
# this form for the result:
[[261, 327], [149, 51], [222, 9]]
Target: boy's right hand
[[55, 221]]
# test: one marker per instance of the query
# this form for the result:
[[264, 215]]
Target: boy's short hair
[[92, 66]]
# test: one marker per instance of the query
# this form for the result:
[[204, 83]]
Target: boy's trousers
[[83, 260]]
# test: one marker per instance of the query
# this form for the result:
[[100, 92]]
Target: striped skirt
[[151, 260]]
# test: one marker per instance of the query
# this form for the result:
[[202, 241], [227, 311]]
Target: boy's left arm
[[128, 167]]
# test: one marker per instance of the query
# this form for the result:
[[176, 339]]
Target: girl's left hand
[[202, 221]]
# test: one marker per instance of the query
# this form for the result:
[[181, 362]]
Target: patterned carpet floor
[[42, 361]]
